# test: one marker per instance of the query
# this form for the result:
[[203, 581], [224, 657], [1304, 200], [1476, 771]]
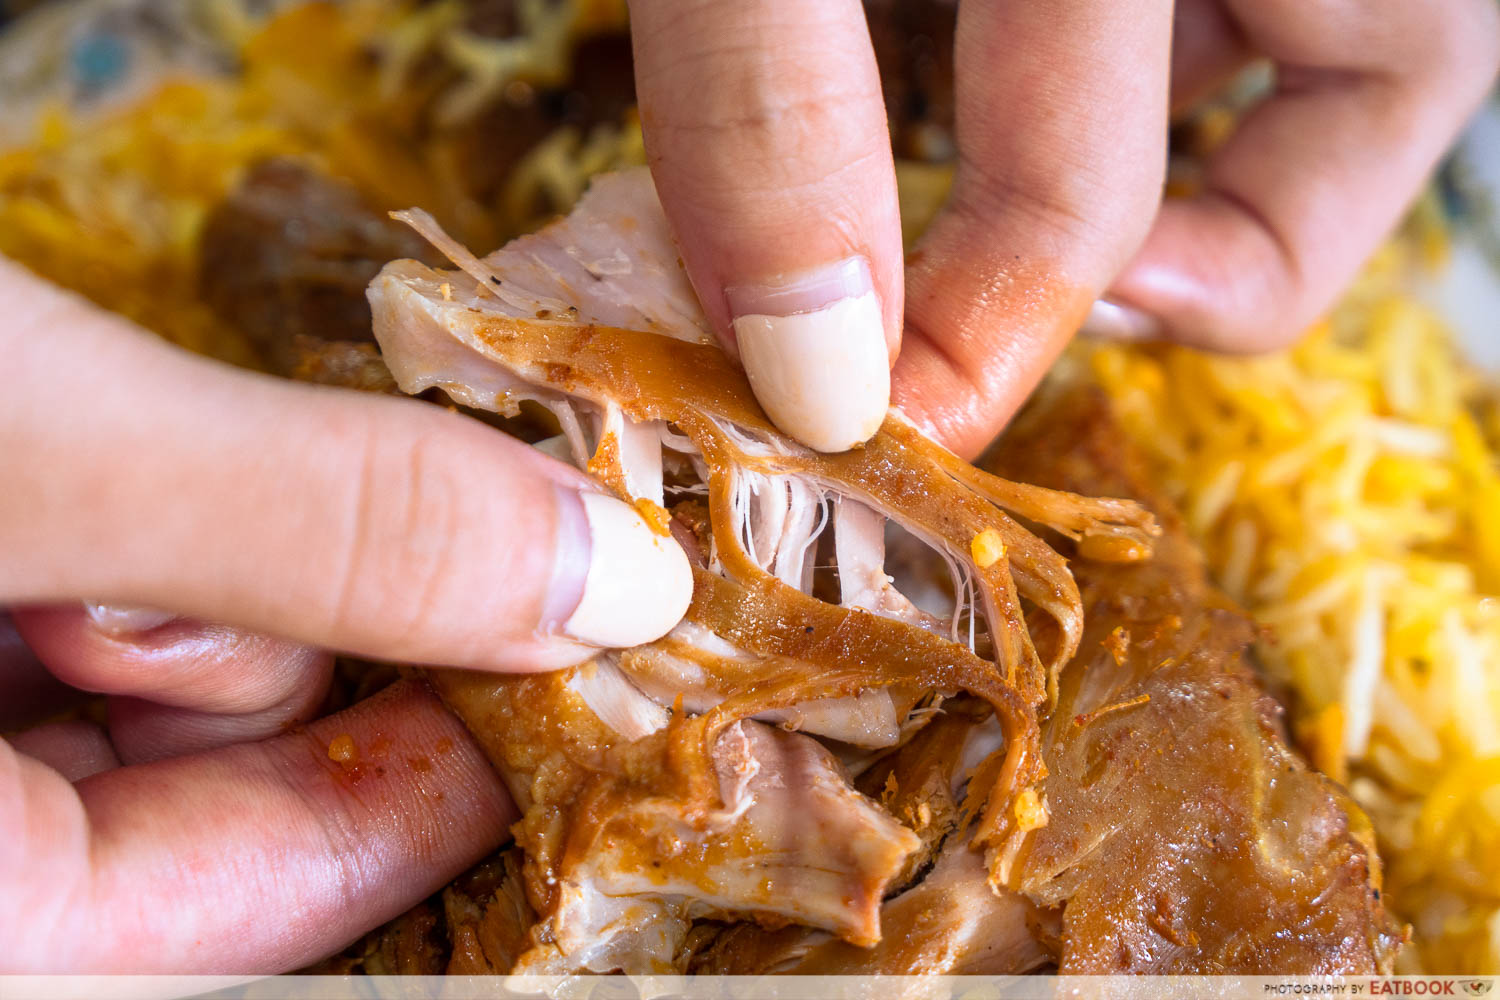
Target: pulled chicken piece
[[666, 761]]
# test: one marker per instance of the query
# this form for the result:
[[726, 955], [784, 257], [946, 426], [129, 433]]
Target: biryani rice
[[1345, 492]]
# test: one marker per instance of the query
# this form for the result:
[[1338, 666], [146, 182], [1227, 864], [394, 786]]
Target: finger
[[184, 663], [190, 686], [1367, 98], [248, 687], [254, 858], [767, 138], [388, 527], [1061, 119], [75, 749]]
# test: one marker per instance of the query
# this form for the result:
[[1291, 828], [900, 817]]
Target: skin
[[766, 135], [764, 128]]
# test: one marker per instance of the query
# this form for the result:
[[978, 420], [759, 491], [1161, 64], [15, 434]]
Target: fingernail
[[1115, 321], [813, 346], [638, 584], [122, 619]]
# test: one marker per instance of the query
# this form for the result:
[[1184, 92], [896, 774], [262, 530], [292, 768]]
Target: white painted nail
[[1115, 321], [813, 346], [122, 619], [639, 581]]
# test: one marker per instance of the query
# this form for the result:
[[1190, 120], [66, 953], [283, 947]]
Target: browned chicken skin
[[1185, 836]]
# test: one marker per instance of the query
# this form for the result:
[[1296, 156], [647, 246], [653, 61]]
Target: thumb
[[766, 134], [385, 527]]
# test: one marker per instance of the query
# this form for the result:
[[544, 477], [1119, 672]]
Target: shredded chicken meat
[[816, 770]]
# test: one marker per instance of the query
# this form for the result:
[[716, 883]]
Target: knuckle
[[1091, 233], [406, 521], [767, 99], [763, 146]]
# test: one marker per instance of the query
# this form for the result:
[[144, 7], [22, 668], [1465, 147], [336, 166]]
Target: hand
[[767, 137], [139, 475], [166, 842], [1367, 99]]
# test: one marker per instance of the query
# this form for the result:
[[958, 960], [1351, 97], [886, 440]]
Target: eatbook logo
[[1478, 987]]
